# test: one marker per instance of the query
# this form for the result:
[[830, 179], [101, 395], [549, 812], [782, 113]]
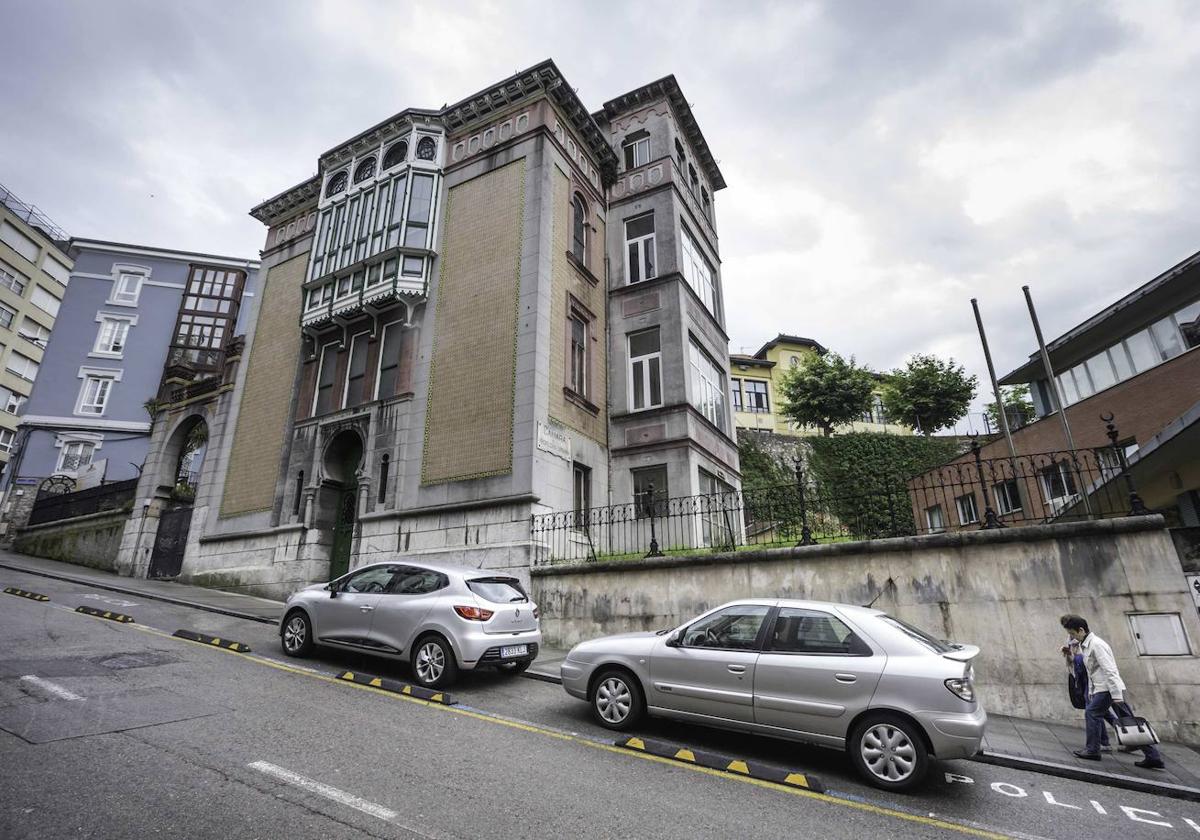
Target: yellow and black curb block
[[716, 761], [21, 593], [398, 687], [111, 616], [215, 641]]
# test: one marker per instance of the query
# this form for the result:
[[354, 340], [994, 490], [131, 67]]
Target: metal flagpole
[[987, 354], [1055, 390]]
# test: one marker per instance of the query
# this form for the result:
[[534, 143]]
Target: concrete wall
[[92, 540], [1003, 590]]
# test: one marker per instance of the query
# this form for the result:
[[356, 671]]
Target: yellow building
[[754, 394]]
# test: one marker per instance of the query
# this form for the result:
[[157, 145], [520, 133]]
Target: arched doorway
[[178, 481], [340, 464]]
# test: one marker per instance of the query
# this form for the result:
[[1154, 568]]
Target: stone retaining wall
[[1003, 590]]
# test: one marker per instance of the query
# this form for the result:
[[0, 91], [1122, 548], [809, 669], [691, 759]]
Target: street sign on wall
[[1193, 582]]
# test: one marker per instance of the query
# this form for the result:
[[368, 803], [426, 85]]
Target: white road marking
[[328, 792], [50, 688], [115, 602]]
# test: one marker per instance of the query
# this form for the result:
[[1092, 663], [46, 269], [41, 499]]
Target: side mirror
[[333, 589], [674, 638]]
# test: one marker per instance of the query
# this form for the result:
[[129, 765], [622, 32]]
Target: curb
[[397, 687], [179, 602], [193, 636], [109, 614], [21, 593], [716, 761], [1066, 771]]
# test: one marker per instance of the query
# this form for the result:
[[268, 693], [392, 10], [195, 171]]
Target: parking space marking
[[831, 799], [312, 786], [50, 688]]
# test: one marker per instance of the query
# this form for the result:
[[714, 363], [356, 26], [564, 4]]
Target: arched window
[[704, 200], [365, 170], [426, 149], [579, 228], [383, 476], [396, 155], [336, 184], [299, 493], [679, 153]]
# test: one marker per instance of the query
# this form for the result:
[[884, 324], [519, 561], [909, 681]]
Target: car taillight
[[474, 613], [962, 688]]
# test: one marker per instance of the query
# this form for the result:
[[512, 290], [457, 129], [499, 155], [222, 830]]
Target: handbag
[[1077, 682], [1133, 731]]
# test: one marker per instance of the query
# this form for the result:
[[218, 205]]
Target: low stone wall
[[1003, 590], [91, 540]]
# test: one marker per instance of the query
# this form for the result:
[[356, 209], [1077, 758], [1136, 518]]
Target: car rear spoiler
[[962, 653]]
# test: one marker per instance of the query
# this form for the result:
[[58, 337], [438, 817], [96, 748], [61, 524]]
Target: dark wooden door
[[166, 559], [343, 533]]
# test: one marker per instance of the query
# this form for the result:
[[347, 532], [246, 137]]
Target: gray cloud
[[886, 162]]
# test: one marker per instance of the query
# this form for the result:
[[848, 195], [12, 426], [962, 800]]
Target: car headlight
[[962, 688]]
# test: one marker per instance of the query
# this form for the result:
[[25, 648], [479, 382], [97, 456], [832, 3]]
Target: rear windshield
[[498, 590], [917, 635]]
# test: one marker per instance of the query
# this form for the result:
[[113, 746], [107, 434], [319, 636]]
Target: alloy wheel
[[295, 633], [431, 662], [888, 752], [613, 700]]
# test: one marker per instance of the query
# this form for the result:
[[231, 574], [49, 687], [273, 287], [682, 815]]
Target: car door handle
[[845, 678], [366, 608], [737, 669]]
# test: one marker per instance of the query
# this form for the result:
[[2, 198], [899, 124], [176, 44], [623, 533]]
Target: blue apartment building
[[130, 313]]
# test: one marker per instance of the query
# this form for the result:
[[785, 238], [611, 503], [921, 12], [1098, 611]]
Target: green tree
[[1018, 407], [826, 390], [929, 394]]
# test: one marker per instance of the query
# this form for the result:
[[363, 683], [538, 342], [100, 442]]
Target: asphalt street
[[111, 730]]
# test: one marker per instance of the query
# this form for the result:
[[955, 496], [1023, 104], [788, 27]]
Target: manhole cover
[[138, 659]]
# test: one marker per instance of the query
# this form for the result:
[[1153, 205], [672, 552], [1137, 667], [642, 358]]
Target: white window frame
[[99, 351], [48, 297], [646, 360], [14, 355], [366, 337], [90, 374], [958, 504], [11, 401], [7, 438], [117, 296], [1065, 476], [929, 517], [707, 395], [699, 272], [1004, 509], [644, 243], [578, 375], [380, 355], [38, 340], [64, 441], [641, 152], [13, 280]]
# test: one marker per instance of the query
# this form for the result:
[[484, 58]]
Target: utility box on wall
[[1159, 634]]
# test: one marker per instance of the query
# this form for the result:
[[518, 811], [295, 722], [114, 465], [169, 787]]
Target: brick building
[[1135, 360], [469, 316]]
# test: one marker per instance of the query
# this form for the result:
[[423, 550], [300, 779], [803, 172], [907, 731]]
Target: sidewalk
[[1010, 742], [210, 600]]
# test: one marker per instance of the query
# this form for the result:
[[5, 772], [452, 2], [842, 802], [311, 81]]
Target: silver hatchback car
[[831, 674], [442, 619]]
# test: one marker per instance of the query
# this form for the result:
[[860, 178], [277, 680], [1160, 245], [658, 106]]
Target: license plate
[[514, 650]]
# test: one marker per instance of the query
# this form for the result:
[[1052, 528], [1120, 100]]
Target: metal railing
[[113, 496], [32, 216], [970, 493]]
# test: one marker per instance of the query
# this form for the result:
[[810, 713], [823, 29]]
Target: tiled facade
[[441, 347]]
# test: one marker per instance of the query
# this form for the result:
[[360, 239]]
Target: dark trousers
[[1098, 710]]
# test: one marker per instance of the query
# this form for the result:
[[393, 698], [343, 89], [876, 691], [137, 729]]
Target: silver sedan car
[[441, 619], [841, 676]]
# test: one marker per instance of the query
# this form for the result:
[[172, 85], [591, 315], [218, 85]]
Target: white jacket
[[1102, 666]]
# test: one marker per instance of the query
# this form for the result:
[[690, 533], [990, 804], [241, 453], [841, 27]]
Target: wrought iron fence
[[968, 494], [1062, 486], [113, 496]]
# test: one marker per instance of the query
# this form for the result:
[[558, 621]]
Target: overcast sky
[[886, 161]]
